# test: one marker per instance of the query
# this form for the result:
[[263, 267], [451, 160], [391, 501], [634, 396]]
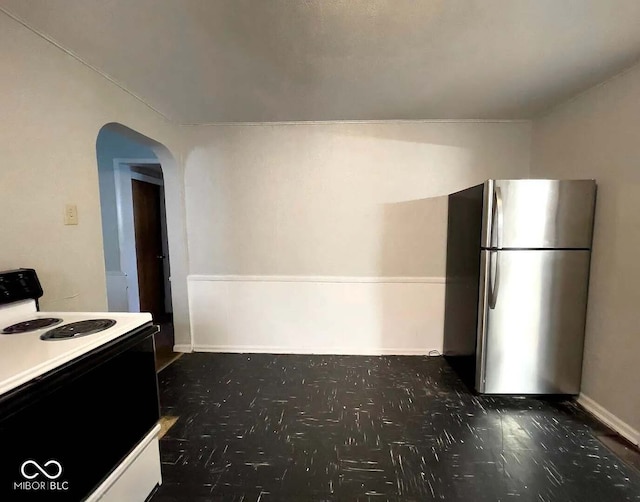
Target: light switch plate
[[71, 214]]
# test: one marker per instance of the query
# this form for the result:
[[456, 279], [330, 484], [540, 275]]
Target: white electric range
[[37, 356], [78, 400]]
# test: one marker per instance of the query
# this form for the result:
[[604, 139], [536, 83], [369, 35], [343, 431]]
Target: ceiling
[[205, 61]]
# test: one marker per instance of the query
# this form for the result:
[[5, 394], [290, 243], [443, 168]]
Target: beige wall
[[337, 199], [597, 135], [52, 109]]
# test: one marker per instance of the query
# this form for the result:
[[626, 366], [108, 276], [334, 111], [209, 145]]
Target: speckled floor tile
[[265, 427]]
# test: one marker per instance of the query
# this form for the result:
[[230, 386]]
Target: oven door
[[64, 432]]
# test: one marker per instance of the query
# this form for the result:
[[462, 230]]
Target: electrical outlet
[[71, 214]]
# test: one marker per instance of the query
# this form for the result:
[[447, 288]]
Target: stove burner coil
[[30, 325], [78, 329]]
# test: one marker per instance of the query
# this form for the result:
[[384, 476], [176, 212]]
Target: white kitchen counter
[[24, 356]]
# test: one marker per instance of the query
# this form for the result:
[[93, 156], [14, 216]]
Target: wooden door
[[147, 220]]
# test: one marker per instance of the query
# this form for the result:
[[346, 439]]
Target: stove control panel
[[19, 284]]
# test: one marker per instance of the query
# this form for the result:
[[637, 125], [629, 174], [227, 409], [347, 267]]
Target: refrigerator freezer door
[[538, 214], [531, 321]]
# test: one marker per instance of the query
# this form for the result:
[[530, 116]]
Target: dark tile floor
[[329, 428]]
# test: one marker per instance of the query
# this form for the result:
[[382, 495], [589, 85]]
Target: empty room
[[320, 250]]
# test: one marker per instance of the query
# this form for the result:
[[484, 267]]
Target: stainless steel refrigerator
[[518, 255]]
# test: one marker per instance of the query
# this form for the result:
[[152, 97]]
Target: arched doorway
[[138, 177]]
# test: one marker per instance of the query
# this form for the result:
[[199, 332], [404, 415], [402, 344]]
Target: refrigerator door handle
[[483, 320], [499, 217], [494, 284]]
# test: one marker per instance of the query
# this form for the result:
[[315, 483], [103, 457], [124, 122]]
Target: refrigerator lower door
[[531, 321]]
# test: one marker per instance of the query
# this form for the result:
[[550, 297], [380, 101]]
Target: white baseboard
[[317, 315], [182, 348], [608, 418], [262, 349]]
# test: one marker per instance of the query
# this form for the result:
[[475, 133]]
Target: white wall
[[336, 198], [597, 135], [316, 201], [52, 109], [317, 315]]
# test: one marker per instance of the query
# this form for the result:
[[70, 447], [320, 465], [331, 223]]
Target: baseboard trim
[[262, 349], [608, 418], [314, 278], [182, 347]]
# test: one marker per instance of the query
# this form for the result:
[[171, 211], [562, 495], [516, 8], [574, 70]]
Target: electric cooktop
[[64, 332], [25, 331]]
